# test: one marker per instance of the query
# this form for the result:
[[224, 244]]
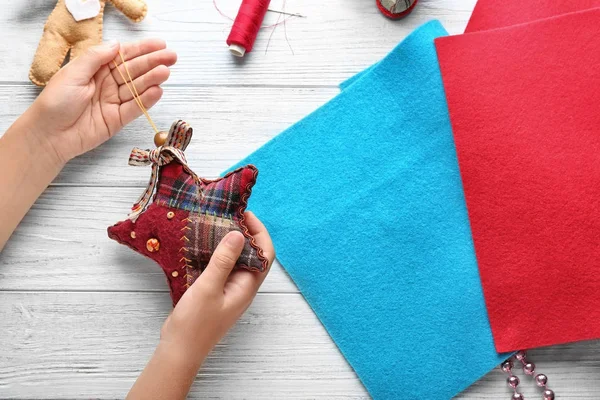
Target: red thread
[[247, 23], [262, 27]]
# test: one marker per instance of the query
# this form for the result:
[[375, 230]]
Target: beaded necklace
[[541, 380]]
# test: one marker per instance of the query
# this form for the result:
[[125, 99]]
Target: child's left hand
[[84, 105], [87, 102]]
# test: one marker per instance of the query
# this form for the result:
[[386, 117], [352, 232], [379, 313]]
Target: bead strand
[[540, 379], [512, 380]]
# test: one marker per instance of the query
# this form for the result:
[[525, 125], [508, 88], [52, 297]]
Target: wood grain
[[94, 345], [229, 123], [81, 314], [62, 245], [326, 46], [87, 344]]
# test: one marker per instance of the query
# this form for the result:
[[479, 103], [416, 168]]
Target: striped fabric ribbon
[[177, 141]]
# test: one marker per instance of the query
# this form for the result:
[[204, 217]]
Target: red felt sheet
[[491, 14], [524, 104]]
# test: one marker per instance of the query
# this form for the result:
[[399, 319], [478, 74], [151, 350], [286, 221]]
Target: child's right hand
[[219, 296], [204, 314], [87, 102]]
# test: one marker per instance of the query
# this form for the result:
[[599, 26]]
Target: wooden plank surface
[[81, 314], [278, 350], [103, 341], [229, 123], [335, 40], [62, 245]]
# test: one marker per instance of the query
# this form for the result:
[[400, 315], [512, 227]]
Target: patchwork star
[[188, 215]]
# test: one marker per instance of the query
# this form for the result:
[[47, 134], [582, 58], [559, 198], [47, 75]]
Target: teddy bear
[[74, 25]]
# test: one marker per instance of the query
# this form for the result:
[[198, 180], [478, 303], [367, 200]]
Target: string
[[284, 28], [285, 31], [273, 31], [289, 15], [134, 92]]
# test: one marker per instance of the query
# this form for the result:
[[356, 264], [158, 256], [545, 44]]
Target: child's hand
[[219, 296], [87, 102], [202, 317], [83, 105]]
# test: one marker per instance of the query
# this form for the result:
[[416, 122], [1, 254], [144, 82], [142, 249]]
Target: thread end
[[237, 50]]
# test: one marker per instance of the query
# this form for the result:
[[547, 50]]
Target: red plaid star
[[188, 216]]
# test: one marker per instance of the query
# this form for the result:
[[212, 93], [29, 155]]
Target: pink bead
[[507, 365], [521, 355], [529, 368], [548, 394], [513, 381], [517, 396], [541, 380]]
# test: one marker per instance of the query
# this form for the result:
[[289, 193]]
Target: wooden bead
[[132, 234], [170, 215], [174, 274], [152, 245], [160, 138]]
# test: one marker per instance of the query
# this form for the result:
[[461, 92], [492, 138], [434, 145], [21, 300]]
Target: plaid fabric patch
[[193, 272], [222, 197], [177, 188], [214, 208], [207, 231]]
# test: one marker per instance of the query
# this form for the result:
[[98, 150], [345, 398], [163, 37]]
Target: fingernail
[[234, 239]]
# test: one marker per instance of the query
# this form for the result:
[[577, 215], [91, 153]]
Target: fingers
[[142, 64], [83, 68], [153, 78], [140, 48], [130, 110], [260, 234], [243, 284], [223, 260], [147, 63]]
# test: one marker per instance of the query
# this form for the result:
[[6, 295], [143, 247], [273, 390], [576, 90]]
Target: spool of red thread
[[246, 25]]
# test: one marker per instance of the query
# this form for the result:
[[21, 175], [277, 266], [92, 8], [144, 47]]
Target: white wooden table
[[80, 315]]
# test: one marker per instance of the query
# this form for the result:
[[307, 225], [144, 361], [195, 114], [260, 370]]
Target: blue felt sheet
[[364, 202]]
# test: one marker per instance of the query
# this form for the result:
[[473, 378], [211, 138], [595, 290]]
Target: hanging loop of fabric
[[177, 141], [159, 156]]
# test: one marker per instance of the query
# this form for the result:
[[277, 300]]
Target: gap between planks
[[102, 291], [208, 85]]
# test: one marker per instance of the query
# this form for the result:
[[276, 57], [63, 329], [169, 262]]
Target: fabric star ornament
[[181, 218]]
